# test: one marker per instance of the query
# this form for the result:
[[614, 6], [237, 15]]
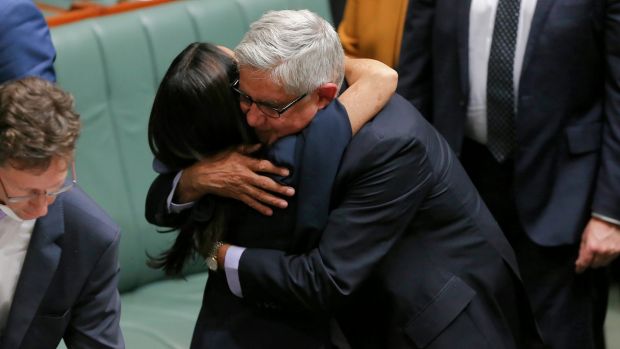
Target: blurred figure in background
[[373, 29], [26, 47], [337, 8], [528, 93]]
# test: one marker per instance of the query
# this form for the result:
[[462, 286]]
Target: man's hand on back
[[234, 174]]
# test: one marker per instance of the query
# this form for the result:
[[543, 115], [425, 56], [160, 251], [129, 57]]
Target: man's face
[[260, 88], [24, 182]]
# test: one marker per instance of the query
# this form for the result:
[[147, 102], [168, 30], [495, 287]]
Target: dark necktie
[[500, 91]]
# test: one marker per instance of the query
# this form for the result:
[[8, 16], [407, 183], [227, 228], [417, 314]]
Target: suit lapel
[[39, 268], [463, 43], [538, 22]]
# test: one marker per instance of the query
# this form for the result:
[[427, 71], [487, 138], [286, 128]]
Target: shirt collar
[[7, 211]]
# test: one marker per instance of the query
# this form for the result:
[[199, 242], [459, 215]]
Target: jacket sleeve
[[379, 198], [96, 315], [415, 71], [26, 47], [156, 205], [606, 199]]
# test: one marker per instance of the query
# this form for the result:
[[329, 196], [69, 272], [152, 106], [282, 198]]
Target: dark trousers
[[570, 308]]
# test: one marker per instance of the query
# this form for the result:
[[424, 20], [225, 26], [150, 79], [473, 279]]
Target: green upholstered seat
[[113, 65]]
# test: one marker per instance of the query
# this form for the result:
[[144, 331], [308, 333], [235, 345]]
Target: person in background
[[405, 225], [58, 249], [26, 47], [373, 29], [527, 92], [336, 8]]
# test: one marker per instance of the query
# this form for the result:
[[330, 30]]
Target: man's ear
[[327, 93]]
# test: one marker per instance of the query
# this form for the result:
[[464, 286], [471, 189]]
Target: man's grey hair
[[299, 49]]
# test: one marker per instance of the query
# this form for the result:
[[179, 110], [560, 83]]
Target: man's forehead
[[56, 163], [260, 86], [249, 75]]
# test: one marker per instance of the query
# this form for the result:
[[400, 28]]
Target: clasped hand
[[237, 175]]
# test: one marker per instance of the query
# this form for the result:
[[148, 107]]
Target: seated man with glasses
[[58, 249]]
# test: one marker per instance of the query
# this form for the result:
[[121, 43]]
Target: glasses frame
[[53, 194], [260, 105]]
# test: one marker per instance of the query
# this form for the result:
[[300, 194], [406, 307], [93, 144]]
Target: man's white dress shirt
[[15, 236], [481, 23]]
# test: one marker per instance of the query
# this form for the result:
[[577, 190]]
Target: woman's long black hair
[[196, 114]]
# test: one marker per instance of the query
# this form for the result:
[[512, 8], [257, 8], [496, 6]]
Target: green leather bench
[[113, 65]]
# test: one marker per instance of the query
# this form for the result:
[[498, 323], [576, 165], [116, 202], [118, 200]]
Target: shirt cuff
[[605, 218], [231, 268], [172, 207]]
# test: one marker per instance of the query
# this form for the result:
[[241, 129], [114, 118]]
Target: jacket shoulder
[[82, 215]]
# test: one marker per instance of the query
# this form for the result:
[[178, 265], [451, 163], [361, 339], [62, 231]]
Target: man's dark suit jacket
[[410, 256], [567, 164], [26, 47], [68, 284]]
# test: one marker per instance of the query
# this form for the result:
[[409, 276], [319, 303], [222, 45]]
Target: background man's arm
[[414, 68], [600, 242], [26, 47]]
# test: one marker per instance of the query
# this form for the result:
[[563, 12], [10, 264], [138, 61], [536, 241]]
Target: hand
[[235, 175], [600, 244]]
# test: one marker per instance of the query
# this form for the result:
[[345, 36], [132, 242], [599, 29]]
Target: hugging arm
[[372, 85]]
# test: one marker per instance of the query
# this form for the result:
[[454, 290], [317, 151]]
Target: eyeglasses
[[265, 108], [50, 194]]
